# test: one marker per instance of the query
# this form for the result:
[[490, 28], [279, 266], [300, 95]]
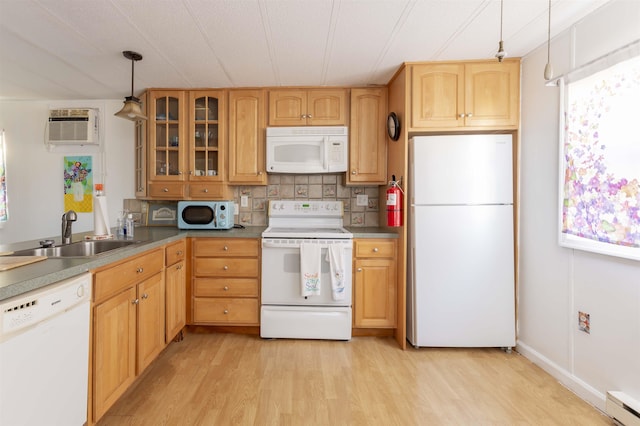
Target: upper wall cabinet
[[367, 136], [167, 135], [247, 137], [468, 96], [321, 107]]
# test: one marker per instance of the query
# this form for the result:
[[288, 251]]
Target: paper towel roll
[[100, 217]]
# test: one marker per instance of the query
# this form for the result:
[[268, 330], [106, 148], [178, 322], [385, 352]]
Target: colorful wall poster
[[78, 184]]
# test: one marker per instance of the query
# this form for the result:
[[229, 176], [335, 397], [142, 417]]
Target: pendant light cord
[[132, 63], [501, 6], [549, 35]]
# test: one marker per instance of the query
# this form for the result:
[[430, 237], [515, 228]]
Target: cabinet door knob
[[179, 267], [225, 267], [375, 249], [179, 252], [145, 296], [260, 173], [359, 269], [303, 116], [461, 115], [309, 116], [135, 301], [469, 115], [353, 172], [140, 270]]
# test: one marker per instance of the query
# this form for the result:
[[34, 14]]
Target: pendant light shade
[[501, 53], [548, 69], [132, 109]]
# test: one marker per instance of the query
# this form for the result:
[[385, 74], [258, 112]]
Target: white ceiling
[[72, 49]]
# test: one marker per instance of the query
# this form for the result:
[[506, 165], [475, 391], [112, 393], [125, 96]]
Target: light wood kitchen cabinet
[[167, 145], [140, 152], [312, 107], [186, 144], [374, 283], [128, 325], [465, 96], [368, 137], [247, 137], [175, 290], [226, 281]]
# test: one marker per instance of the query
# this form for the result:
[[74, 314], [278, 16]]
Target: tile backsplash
[[295, 187], [307, 187]]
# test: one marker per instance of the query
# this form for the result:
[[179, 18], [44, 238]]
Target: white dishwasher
[[44, 355]]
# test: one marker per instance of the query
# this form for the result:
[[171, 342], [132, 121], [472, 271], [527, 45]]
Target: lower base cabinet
[[128, 326], [374, 283], [226, 277]]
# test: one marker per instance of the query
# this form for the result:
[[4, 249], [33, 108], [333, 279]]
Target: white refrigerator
[[460, 290]]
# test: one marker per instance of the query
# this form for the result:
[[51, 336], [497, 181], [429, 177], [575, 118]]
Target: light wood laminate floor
[[231, 379]]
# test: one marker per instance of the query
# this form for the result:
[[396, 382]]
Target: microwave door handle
[[215, 215], [325, 159]]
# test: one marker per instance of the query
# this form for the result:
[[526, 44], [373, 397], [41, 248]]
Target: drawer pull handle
[[179, 252], [375, 249], [135, 301], [140, 270], [225, 267], [205, 190], [165, 189], [179, 267], [225, 248], [226, 288], [226, 312]]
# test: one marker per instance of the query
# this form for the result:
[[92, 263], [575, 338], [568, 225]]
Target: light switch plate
[[362, 200]]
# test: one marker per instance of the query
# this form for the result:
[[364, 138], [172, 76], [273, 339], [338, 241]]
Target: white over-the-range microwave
[[308, 149]]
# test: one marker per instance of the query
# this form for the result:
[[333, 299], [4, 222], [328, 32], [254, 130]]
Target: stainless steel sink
[[78, 249]]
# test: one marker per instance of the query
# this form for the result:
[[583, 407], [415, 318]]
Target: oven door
[[281, 282]]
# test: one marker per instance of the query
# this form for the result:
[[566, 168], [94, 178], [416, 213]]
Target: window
[[600, 176], [4, 208]]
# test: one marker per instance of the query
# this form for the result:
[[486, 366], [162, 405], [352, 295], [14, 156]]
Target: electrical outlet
[[244, 201], [362, 200], [584, 322]]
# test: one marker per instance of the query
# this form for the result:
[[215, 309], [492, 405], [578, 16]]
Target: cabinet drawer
[[208, 191], [225, 247], [175, 252], [114, 279], [375, 248], [174, 191], [226, 311], [226, 287], [225, 267]]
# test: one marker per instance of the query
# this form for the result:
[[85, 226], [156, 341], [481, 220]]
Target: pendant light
[[501, 53], [548, 69], [132, 109]]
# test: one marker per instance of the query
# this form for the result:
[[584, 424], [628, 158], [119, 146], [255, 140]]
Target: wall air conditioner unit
[[77, 126], [624, 409]]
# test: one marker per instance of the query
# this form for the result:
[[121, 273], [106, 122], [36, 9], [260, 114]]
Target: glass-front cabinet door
[[206, 156], [167, 143]]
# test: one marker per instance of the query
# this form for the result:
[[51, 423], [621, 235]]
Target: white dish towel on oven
[[335, 257], [310, 268]]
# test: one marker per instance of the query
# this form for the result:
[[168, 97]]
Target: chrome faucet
[[67, 218]]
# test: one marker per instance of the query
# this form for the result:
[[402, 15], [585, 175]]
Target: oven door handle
[[269, 244]]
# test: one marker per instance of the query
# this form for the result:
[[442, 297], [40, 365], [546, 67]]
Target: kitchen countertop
[[26, 278]]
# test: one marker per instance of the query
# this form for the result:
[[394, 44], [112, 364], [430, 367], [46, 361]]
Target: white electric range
[[285, 311]]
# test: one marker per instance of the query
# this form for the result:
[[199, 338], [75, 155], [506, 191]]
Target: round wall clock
[[393, 126]]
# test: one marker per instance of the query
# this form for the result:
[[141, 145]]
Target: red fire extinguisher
[[394, 203]]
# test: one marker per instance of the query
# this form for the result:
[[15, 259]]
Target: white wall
[[35, 174], [556, 282]]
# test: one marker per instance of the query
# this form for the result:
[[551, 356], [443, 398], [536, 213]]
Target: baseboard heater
[[624, 409]]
